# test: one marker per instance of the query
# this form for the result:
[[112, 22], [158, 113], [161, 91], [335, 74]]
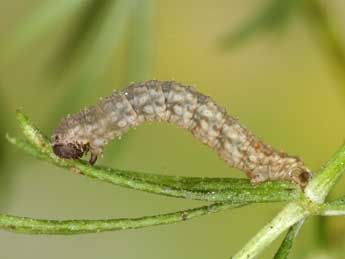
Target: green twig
[[286, 246], [81, 34], [321, 24], [69, 227], [33, 134], [334, 208], [291, 214], [315, 192], [198, 188], [318, 189], [237, 192]]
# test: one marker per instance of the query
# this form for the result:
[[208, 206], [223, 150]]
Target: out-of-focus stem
[[291, 214], [327, 37]]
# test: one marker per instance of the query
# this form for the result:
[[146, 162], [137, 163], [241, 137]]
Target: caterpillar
[[92, 128]]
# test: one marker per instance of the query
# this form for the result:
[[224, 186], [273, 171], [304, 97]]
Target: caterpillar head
[[68, 150]]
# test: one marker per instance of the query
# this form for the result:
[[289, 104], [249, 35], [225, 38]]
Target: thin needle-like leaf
[[286, 246], [326, 35], [315, 192], [320, 186], [86, 24], [196, 188], [208, 189], [334, 208], [5, 176], [289, 216], [70, 227]]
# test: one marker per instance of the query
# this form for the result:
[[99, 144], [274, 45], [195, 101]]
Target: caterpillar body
[[92, 128]]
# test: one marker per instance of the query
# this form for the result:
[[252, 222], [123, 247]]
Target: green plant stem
[[319, 187], [69, 227], [185, 187], [334, 211], [82, 32], [334, 208], [286, 246], [320, 22], [315, 192], [198, 188], [33, 134], [291, 214]]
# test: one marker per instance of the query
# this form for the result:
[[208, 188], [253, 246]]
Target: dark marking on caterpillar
[[92, 128]]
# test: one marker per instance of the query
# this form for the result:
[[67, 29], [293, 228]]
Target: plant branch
[[327, 37], [290, 215], [315, 192], [69, 227], [239, 191], [318, 189], [286, 246], [334, 208], [198, 188]]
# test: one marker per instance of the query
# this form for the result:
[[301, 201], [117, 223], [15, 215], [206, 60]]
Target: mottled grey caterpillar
[[92, 128]]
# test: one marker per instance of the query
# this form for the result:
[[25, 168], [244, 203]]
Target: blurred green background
[[279, 68]]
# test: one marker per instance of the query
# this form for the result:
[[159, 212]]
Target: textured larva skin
[[94, 127]]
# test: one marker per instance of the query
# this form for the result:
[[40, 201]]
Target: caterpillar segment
[[92, 128]]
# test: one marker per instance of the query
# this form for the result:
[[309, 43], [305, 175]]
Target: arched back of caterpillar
[[92, 128]]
